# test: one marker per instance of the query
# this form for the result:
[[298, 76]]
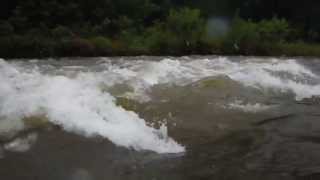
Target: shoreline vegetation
[[42, 30]]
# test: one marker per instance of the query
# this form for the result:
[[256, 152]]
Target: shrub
[[42, 47], [26, 47], [187, 25], [118, 47], [6, 29], [243, 37], [158, 40], [248, 37], [76, 47], [134, 42], [180, 33], [102, 45], [6, 47], [61, 32], [274, 30], [38, 32], [299, 49], [124, 22]]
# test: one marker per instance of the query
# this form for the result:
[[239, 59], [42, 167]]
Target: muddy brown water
[[280, 142]]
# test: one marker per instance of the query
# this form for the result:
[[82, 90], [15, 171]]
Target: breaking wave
[[78, 99], [77, 106], [284, 76]]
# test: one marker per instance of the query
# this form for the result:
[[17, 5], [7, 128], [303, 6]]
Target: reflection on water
[[160, 118]]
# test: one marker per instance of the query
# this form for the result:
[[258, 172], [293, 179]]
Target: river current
[[197, 117]]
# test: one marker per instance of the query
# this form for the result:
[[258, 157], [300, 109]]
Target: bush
[[76, 47], [299, 49], [243, 37], [102, 45], [180, 33], [124, 23], [187, 25], [248, 37], [158, 40], [118, 47], [61, 32], [6, 29], [38, 32], [6, 47], [26, 47], [274, 30], [134, 42]]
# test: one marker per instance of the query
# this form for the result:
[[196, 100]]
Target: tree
[[6, 29], [186, 24]]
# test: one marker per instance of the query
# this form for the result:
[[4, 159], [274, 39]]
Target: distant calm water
[[154, 118]]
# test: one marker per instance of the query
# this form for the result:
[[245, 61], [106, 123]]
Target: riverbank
[[35, 47]]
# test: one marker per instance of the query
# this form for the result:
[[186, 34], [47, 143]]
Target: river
[[154, 118]]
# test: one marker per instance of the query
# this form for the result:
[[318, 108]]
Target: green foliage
[[274, 30], [180, 33], [75, 47], [61, 32], [37, 28], [124, 22], [248, 37], [20, 24], [243, 36], [102, 45], [42, 31], [299, 49], [186, 24], [159, 40], [6, 29], [134, 43], [27, 46], [6, 47]]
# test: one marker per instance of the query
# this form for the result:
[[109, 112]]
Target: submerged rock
[[117, 89], [36, 122], [214, 82], [127, 104], [219, 82]]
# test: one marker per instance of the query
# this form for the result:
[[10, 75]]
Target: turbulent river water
[[159, 118]]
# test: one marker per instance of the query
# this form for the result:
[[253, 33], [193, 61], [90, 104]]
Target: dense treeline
[[37, 28]]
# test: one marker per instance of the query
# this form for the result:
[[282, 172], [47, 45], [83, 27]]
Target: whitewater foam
[[21, 144], [77, 106], [274, 74], [73, 97], [248, 107]]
